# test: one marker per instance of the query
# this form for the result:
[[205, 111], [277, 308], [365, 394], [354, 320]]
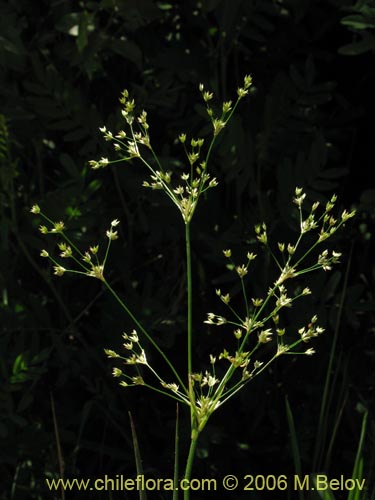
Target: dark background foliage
[[308, 122]]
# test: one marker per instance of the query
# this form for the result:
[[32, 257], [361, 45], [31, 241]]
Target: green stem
[[210, 149], [176, 449], [245, 297], [146, 334], [189, 295], [189, 464], [189, 321]]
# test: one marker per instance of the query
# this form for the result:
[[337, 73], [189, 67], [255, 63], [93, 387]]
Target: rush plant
[[202, 390]]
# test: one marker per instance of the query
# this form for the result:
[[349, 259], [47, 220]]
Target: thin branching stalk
[[145, 333]]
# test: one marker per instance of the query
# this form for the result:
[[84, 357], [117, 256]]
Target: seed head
[[207, 96], [58, 227], [35, 209], [265, 336], [310, 351], [241, 271], [59, 270], [112, 235], [111, 354], [227, 106]]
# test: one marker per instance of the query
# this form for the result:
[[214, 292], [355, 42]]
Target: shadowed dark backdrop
[[306, 123]]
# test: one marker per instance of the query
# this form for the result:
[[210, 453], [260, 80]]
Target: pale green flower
[[35, 209]]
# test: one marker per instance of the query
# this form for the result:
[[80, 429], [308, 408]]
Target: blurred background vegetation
[[307, 123]]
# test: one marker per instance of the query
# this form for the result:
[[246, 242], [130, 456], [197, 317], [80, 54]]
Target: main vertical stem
[[189, 465], [190, 301], [189, 325], [193, 422]]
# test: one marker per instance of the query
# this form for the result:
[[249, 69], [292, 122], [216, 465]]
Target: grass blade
[[294, 443], [58, 444], [328, 391], [137, 456], [358, 464]]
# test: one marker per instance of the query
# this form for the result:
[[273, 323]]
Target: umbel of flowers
[[185, 193]]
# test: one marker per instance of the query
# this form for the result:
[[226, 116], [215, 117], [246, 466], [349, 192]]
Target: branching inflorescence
[[256, 324]]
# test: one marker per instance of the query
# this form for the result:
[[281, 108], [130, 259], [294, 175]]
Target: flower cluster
[[259, 311], [136, 143], [219, 122], [86, 263], [312, 330], [137, 356]]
